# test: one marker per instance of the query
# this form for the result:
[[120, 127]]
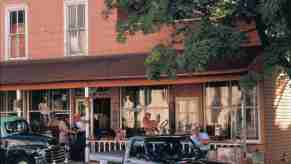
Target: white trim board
[[8, 9], [75, 2]]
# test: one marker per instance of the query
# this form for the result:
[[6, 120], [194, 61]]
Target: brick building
[[50, 51]]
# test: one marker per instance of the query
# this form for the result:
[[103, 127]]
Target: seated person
[[201, 140], [120, 134], [150, 126]]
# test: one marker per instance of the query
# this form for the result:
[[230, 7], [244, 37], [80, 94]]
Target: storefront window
[[8, 105], [138, 101], [48, 105], [188, 114], [223, 111]]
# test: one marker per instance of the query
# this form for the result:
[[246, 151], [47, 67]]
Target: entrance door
[[101, 113]]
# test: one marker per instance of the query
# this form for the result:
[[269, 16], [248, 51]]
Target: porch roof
[[102, 68]]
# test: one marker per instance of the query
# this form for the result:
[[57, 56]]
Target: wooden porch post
[[18, 102], [87, 116], [244, 125]]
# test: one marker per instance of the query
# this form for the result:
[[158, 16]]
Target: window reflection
[[223, 111], [8, 103], [138, 101]]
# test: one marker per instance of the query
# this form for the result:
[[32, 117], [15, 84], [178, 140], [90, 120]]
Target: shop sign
[[99, 92]]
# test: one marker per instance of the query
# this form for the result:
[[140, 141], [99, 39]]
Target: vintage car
[[20, 146], [157, 150], [164, 150]]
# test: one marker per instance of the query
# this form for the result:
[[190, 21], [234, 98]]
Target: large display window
[[8, 103], [138, 102], [223, 111], [48, 105]]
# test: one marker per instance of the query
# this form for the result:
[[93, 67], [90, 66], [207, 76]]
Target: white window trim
[[249, 141], [66, 4], [258, 99], [8, 9]]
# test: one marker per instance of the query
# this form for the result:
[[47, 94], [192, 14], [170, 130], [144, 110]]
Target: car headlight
[[41, 152], [36, 151]]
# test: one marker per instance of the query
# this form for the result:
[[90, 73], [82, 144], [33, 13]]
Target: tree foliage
[[213, 38], [276, 27]]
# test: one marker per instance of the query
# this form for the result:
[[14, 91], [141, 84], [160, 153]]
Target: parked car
[[18, 145], [158, 150], [164, 150]]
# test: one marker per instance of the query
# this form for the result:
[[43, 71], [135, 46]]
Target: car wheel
[[23, 160]]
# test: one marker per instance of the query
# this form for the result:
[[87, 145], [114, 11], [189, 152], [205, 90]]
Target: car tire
[[23, 160]]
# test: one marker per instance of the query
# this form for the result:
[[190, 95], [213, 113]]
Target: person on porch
[[200, 139], [64, 132], [150, 126], [44, 110], [78, 147]]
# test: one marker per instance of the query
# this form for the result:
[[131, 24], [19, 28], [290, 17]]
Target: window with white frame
[[76, 28], [223, 111], [16, 43], [8, 104]]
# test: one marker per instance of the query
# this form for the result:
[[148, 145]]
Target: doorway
[[102, 113]]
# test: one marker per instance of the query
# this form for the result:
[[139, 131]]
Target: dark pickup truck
[[19, 146]]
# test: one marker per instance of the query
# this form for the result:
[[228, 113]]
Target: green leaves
[[212, 39], [249, 80], [213, 42], [148, 16], [162, 61]]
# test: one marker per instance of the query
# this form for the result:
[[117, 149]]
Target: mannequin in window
[[128, 111], [216, 105], [128, 104], [44, 110]]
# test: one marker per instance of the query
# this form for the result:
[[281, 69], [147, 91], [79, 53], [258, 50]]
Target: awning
[[106, 71]]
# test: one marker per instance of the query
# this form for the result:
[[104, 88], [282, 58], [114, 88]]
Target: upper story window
[[16, 33], [76, 28]]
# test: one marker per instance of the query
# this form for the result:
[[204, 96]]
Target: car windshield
[[18, 126], [165, 149]]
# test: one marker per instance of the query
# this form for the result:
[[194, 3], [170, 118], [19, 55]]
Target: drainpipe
[[244, 125], [87, 116], [18, 102]]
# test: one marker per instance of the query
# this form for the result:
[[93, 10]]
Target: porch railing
[[98, 146], [221, 151]]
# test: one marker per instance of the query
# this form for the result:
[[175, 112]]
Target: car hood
[[29, 139]]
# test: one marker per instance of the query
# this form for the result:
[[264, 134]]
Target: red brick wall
[[46, 27], [46, 31], [1, 32], [102, 35]]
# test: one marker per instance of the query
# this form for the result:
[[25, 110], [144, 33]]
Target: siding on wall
[[277, 114]]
